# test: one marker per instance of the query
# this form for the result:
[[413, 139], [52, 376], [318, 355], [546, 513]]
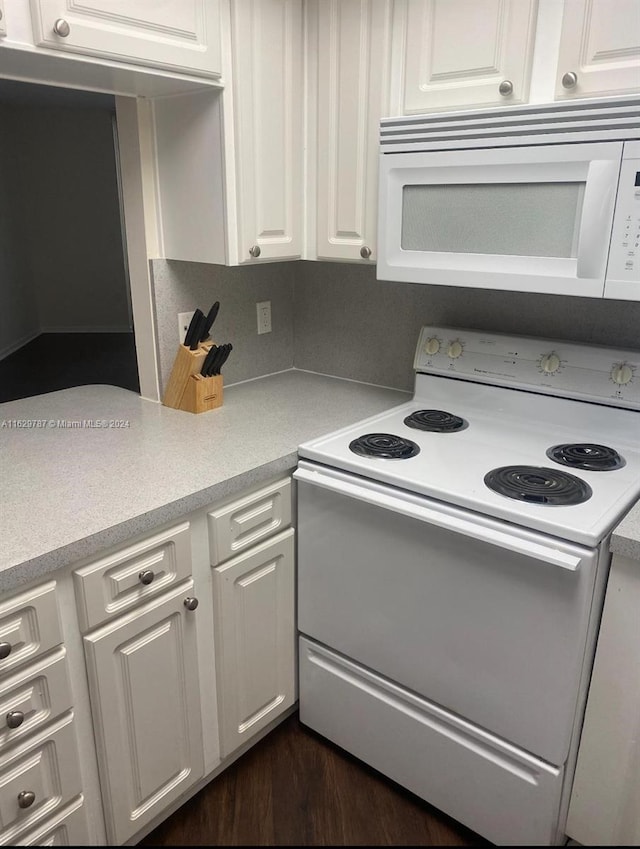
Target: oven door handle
[[456, 524]]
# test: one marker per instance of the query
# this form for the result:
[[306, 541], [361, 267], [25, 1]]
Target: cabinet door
[[145, 700], [183, 35], [255, 639], [599, 48], [604, 797], [266, 44], [352, 42], [453, 54]]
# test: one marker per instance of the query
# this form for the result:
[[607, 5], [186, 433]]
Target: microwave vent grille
[[513, 126]]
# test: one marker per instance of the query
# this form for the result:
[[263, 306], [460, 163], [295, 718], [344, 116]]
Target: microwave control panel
[[624, 256]]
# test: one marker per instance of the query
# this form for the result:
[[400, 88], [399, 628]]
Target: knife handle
[[195, 341]]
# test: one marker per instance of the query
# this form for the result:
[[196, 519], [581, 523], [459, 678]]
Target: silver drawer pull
[[14, 718], [570, 79], [5, 650], [255, 251], [505, 88], [61, 28], [146, 577], [365, 252], [26, 798], [191, 603]]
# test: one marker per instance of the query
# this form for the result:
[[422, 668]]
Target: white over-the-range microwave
[[537, 198]]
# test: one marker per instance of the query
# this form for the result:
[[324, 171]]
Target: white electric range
[[452, 561]]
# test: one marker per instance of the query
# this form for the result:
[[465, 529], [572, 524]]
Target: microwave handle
[[389, 501], [597, 217]]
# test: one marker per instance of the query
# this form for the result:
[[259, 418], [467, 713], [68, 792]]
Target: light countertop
[[626, 537], [70, 489]]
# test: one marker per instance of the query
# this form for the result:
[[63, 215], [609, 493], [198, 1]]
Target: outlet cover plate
[[264, 316]]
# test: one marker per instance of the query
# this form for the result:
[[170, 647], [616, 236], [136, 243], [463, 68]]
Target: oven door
[[532, 219], [485, 619]]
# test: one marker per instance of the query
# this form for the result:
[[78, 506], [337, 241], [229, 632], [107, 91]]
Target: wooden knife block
[[187, 389]]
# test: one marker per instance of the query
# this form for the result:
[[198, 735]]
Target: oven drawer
[[445, 760], [491, 626]]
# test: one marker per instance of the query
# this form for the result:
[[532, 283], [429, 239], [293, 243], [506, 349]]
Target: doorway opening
[[65, 303]]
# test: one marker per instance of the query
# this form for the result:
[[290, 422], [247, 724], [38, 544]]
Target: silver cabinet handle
[[26, 798], [505, 88], [146, 576], [365, 252], [5, 650], [570, 79], [61, 28], [191, 603], [14, 718], [255, 251]]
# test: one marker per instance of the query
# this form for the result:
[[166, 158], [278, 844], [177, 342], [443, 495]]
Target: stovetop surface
[[505, 427]]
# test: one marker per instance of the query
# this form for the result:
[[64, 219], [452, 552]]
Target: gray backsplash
[[336, 318], [183, 286]]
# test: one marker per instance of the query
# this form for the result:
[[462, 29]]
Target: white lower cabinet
[[37, 776], [67, 827], [145, 698], [255, 638], [159, 683]]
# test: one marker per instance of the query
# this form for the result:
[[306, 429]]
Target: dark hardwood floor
[[55, 361], [296, 789]]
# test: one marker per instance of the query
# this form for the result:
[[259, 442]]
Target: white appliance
[[528, 198], [452, 560]]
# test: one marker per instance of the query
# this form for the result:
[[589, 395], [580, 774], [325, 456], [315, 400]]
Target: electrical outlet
[[264, 316], [184, 319]]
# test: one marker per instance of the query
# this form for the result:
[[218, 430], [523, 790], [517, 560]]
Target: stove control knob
[[432, 346], [454, 350], [621, 374], [550, 363]]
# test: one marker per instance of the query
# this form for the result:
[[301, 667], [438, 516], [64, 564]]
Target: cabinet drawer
[[29, 625], [44, 764], [67, 827], [115, 584], [489, 785], [33, 696], [248, 520]]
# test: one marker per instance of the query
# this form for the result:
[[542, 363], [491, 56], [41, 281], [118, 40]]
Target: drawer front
[[494, 788], [29, 626], [67, 827], [247, 521], [115, 584], [46, 765], [33, 696]]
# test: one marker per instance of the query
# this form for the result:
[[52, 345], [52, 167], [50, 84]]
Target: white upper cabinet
[[182, 35], [229, 164], [450, 54], [599, 48], [266, 134], [349, 51]]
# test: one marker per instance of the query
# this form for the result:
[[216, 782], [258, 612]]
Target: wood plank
[[295, 788]]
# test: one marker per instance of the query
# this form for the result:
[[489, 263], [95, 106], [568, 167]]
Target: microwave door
[[532, 219]]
